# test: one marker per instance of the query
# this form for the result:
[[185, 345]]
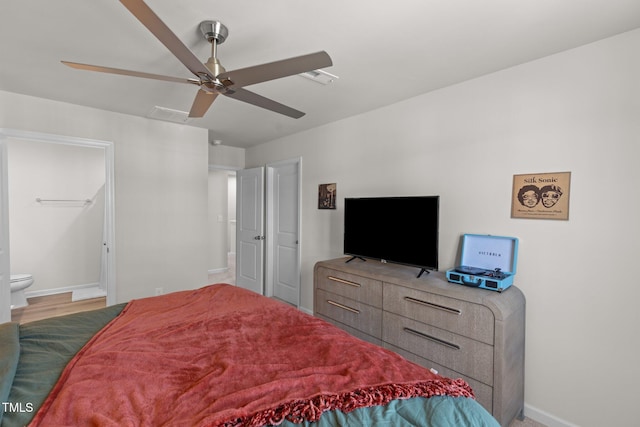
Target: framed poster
[[327, 196], [541, 196]]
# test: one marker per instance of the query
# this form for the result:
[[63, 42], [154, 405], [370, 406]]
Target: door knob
[[258, 238]]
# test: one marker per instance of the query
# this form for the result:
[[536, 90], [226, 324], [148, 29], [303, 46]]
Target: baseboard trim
[[55, 291], [88, 293], [218, 270], [545, 418]]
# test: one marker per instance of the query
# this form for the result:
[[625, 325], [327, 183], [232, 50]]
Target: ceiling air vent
[[319, 76], [168, 115]]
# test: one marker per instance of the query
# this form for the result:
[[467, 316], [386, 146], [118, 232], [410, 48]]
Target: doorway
[[107, 252], [222, 225], [268, 230]]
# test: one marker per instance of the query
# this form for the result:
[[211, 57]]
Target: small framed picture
[[541, 196], [327, 196]]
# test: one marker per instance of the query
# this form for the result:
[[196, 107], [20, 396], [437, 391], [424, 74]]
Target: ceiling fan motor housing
[[213, 64], [214, 30]]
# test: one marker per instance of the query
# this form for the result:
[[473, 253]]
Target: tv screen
[[402, 230]]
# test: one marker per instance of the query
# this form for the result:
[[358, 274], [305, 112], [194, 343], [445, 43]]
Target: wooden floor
[[61, 304], [52, 306]]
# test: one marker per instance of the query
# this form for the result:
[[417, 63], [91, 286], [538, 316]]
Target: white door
[[283, 240], [5, 292], [250, 229]]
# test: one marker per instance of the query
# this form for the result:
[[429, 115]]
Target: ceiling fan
[[211, 76]]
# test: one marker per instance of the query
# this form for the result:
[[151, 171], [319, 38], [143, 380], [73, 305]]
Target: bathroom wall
[[58, 242]]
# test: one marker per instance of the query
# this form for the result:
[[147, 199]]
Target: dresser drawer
[[356, 333], [483, 392], [352, 313], [459, 353], [363, 289], [462, 317]]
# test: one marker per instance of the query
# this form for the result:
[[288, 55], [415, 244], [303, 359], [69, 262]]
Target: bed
[[215, 356]]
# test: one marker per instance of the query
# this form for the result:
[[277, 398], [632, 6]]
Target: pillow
[[9, 355]]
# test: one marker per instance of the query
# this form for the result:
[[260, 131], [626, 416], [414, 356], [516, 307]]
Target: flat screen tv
[[402, 230]]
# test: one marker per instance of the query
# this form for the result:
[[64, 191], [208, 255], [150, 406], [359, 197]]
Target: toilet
[[19, 282]]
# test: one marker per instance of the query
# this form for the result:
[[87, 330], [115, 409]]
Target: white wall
[[59, 243], [160, 189], [577, 111], [223, 157]]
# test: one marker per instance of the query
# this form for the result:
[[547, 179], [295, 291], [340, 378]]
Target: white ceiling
[[382, 51]]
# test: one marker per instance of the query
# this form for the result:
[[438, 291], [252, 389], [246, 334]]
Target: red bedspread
[[222, 355]]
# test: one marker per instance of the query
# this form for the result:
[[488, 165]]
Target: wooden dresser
[[461, 332]]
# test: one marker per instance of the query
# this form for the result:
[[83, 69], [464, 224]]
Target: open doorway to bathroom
[[59, 207]]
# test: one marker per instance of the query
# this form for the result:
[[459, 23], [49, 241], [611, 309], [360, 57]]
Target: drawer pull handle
[[432, 338], [344, 307], [346, 282], [434, 305]]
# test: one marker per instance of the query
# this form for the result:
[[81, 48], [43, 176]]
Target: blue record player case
[[486, 261]]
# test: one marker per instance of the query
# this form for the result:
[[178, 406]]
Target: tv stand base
[[354, 257], [422, 271]]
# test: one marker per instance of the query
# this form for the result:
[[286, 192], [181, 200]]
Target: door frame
[[108, 146], [270, 224], [228, 170]]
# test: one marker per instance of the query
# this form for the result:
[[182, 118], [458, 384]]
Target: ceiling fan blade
[[277, 69], [260, 101], [122, 72], [202, 103], [149, 19]]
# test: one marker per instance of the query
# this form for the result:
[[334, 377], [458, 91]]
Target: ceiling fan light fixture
[[319, 76]]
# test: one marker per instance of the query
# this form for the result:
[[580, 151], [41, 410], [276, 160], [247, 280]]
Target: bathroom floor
[[61, 304], [52, 306], [65, 303]]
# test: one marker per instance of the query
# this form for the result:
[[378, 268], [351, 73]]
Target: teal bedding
[[44, 348], [436, 411], [33, 355]]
